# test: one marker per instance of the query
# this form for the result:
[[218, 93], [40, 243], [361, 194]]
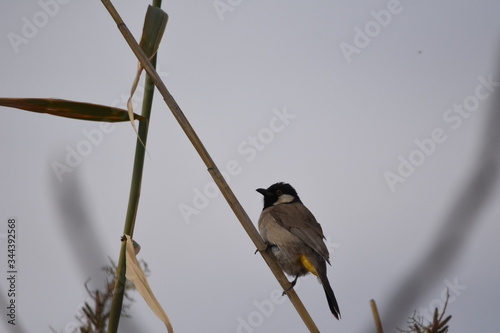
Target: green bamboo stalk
[[135, 192], [212, 168]]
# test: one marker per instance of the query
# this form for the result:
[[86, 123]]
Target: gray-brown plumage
[[295, 237]]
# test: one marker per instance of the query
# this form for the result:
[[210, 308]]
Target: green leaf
[[69, 109], [152, 31]]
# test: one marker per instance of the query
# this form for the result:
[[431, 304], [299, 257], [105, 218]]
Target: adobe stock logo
[[84, 147], [249, 149], [32, 24], [264, 309], [372, 29], [93, 138], [221, 7], [452, 290], [454, 118]]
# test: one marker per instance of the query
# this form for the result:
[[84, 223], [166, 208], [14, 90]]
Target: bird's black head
[[279, 193]]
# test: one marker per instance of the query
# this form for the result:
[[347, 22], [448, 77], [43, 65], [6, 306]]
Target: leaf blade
[[134, 273], [69, 109], [152, 31]]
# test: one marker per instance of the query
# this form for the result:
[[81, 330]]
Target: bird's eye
[[279, 192]]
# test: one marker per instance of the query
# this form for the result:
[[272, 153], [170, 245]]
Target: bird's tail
[[330, 296]]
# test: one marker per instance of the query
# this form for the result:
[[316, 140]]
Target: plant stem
[[212, 168], [376, 316], [133, 203]]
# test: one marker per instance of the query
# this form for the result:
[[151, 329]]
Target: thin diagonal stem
[[212, 167]]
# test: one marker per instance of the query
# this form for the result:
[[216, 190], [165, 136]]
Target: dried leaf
[[135, 274]]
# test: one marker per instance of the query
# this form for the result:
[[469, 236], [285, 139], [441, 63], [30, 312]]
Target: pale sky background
[[350, 122]]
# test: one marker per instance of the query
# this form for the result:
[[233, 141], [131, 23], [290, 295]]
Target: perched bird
[[295, 237]]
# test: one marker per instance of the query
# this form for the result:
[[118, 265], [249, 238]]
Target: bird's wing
[[297, 219]]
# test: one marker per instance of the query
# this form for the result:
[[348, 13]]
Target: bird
[[294, 237]]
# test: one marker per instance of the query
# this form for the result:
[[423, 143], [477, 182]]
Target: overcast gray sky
[[381, 114]]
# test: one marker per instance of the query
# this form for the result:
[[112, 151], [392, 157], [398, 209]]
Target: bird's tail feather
[[330, 296]]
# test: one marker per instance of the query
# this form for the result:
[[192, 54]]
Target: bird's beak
[[263, 191]]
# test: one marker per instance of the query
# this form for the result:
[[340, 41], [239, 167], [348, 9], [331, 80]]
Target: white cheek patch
[[284, 198]]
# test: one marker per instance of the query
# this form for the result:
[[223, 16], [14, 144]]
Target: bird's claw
[[292, 284], [264, 250]]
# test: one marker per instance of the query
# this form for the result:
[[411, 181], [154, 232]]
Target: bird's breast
[[274, 233]]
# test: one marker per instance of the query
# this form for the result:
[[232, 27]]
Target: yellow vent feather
[[307, 264]]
